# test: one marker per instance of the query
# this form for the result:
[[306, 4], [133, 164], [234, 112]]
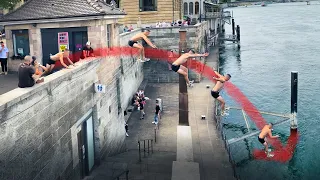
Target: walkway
[[208, 148], [8, 82]]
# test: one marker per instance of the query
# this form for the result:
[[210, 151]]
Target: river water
[[276, 40]]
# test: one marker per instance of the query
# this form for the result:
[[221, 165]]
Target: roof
[[51, 9]]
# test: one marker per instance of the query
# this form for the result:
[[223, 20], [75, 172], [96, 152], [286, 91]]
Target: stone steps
[[155, 166]]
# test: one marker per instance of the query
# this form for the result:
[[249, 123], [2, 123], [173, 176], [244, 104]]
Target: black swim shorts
[[131, 43], [175, 68], [215, 94], [261, 140], [50, 62]]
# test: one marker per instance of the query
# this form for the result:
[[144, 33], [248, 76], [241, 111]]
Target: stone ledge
[[185, 171], [14, 96]]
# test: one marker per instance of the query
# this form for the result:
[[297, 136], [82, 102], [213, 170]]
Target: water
[[276, 40]]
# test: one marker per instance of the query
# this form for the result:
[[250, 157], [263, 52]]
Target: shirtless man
[[216, 89], [266, 130], [179, 68], [58, 57], [133, 43]]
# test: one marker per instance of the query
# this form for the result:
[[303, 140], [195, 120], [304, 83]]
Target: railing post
[[144, 148], [155, 134], [127, 175], [148, 146], [152, 146], [139, 151]]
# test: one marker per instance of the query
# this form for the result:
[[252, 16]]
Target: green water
[[276, 40]]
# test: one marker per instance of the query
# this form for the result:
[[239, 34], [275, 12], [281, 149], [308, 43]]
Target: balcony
[[213, 14]]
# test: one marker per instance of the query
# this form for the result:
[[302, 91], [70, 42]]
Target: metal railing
[[149, 143], [226, 144], [124, 172]]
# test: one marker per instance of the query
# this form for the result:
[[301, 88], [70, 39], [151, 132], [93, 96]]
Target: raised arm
[[219, 75], [145, 38], [198, 55]]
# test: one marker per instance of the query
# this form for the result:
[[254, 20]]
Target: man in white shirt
[[4, 53]]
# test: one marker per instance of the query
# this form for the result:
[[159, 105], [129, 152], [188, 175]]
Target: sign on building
[[100, 88], [63, 41]]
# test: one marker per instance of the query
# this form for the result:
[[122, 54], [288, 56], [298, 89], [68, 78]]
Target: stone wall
[[168, 39], [39, 125]]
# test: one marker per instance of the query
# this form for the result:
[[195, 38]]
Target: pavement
[[208, 147], [8, 82]]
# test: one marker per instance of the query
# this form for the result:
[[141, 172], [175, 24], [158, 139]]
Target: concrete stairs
[[156, 166], [157, 71]]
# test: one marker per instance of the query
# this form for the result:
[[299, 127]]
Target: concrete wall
[[39, 125], [168, 38]]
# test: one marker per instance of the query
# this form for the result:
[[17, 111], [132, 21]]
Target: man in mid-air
[[215, 92], [133, 42], [179, 68]]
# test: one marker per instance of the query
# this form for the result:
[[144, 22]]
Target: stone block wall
[[168, 39], [39, 125]]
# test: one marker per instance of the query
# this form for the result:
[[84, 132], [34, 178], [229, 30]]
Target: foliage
[[8, 4]]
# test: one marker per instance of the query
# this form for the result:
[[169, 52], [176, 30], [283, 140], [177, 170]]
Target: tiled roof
[[49, 9]]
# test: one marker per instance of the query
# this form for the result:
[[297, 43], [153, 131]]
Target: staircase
[[156, 165], [158, 71]]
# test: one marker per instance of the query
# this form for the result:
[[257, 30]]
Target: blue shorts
[[156, 118]]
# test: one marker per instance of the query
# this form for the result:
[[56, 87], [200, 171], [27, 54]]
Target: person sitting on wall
[[87, 51], [133, 42], [39, 69], [26, 74], [58, 57], [125, 29]]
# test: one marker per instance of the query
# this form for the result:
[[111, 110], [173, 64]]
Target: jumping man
[[58, 57], [179, 68], [133, 43], [266, 130], [216, 89]]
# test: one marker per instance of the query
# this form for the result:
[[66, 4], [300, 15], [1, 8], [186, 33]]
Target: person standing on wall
[[4, 53]]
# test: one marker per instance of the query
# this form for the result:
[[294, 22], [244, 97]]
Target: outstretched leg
[[222, 103], [184, 71]]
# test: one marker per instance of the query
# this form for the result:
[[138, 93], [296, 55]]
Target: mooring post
[[183, 92], [238, 32], [233, 27], [294, 100]]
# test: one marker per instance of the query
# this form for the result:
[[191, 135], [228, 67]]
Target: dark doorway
[[79, 41], [49, 37], [86, 146]]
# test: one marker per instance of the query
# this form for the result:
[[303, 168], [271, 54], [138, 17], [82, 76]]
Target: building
[[35, 27], [62, 128], [150, 11]]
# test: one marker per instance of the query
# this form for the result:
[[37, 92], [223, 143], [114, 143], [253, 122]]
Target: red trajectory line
[[281, 153]]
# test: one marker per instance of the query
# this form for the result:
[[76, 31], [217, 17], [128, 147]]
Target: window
[[21, 46], [109, 37], [148, 5], [191, 8], [196, 10], [185, 8]]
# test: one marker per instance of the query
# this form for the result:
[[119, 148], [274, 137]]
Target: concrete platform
[[185, 171], [184, 144]]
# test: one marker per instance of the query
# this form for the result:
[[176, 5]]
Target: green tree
[[8, 4]]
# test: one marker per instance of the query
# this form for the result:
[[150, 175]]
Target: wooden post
[[183, 91]]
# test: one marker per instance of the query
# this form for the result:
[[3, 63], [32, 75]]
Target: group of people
[[31, 71]]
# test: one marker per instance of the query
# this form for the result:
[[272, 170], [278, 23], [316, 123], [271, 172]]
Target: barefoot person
[[179, 68], [266, 131], [216, 89], [58, 57], [133, 42]]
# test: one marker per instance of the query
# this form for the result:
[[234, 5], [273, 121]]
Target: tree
[[8, 4]]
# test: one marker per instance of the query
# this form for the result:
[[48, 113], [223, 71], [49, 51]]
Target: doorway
[[86, 146], [80, 39]]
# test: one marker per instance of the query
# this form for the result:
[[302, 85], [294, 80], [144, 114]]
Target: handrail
[[149, 142]]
